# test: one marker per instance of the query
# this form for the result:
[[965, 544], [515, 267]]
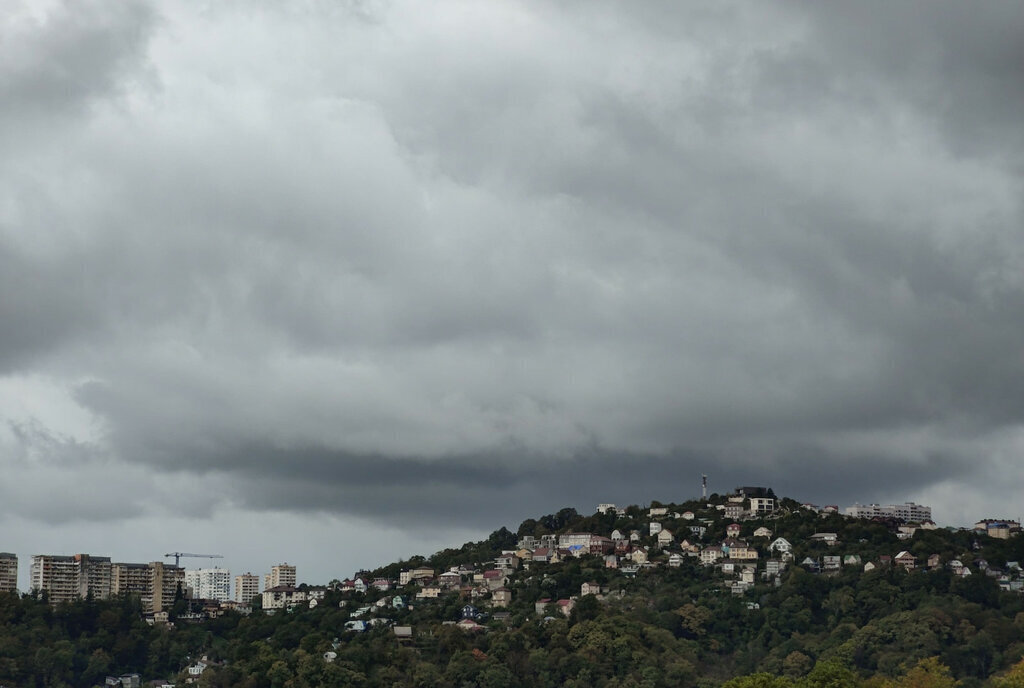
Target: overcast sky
[[337, 282]]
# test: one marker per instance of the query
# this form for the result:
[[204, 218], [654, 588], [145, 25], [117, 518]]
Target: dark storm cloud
[[407, 263]]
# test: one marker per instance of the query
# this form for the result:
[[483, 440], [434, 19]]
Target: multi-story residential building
[[760, 506], [247, 586], [282, 596], [997, 528], [567, 540], [67, 578], [209, 584], [908, 511], [168, 581], [131, 579], [156, 583], [8, 572], [280, 575]]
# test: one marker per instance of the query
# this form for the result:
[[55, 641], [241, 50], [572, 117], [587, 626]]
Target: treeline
[[80, 644]]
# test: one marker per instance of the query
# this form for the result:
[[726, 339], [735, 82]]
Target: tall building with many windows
[[247, 586], [67, 578], [282, 574], [156, 584], [8, 572], [209, 584]]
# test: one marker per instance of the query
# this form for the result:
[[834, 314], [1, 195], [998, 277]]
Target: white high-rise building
[[247, 586], [209, 584], [908, 511]]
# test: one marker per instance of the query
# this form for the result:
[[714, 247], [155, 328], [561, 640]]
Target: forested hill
[[644, 609]]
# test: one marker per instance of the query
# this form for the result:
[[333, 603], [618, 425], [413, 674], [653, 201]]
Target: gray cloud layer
[[379, 259]]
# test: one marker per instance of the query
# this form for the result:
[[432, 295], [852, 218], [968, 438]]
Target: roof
[[282, 588]]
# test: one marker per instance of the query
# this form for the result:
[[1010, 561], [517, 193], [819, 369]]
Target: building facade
[[67, 578], [8, 572], [280, 575], [156, 584], [908, 511], [247, 586], [209, 584], [282, 597]]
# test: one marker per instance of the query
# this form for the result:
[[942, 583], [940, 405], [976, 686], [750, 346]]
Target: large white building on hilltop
[[910, 512], [209, 584]]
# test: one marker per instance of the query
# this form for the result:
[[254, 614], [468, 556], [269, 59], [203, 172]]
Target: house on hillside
[[738, 549], [906, 560], [710, 555], [732, 530], [664, 538], [542, 555], [830, 539], [780, 545], [762, 532], [734, 511], [501, 597]]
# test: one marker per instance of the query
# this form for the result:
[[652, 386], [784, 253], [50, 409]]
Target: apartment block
[[167, 581], [908, 511], [156, 584], [280, 575], [67, 578], [209, 584], [8, 572], [247, 586]]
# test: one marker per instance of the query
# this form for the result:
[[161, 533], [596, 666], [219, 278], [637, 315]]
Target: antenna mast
[[704, 486]]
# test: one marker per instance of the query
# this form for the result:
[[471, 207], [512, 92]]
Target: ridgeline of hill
[[649, 624]]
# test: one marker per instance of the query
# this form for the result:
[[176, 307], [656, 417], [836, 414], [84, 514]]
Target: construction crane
[[178, 555]]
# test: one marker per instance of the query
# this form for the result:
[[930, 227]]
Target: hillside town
[[742, 545], [733, 535]]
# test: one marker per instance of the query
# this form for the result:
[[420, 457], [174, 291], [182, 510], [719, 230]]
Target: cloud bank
[[379, 260]]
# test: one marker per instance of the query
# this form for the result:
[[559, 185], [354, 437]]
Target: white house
[[780, 545]]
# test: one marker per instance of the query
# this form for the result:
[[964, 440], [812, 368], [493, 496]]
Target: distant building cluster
[[65, 578]]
